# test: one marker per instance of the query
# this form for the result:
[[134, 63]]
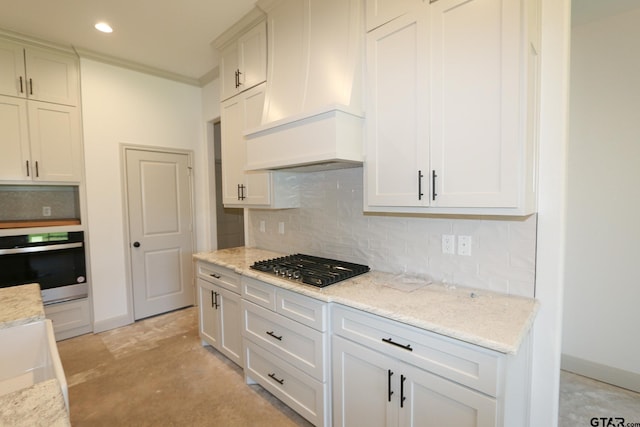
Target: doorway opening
[[228, 231]]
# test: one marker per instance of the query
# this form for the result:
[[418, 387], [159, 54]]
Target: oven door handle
[[46, 248]]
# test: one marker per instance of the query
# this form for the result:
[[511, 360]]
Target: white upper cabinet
[[465, 142], [40, 141], [243, 62], [379, 12], [38, 74], [242, 188]]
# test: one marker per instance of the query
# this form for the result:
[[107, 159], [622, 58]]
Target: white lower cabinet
[[388, 374], [373, 389], [337, 365], [69, 318], [220, 318], [285, 341]]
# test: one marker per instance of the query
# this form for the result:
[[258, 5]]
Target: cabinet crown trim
[[255, 16]]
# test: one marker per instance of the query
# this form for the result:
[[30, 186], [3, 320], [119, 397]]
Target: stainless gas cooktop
[[310, 269]]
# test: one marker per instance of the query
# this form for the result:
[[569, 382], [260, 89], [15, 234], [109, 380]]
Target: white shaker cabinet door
[[209, 323], [252, 58], [397, 129], [56, 146], [361, 386], [52, 77], [12, 72], [475, 103], [14, 142], [237, 114], [428, 400]]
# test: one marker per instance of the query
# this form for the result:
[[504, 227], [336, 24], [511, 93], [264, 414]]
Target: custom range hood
[[313, 115]]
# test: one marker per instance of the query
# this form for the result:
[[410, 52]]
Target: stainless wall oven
[[54, 260]]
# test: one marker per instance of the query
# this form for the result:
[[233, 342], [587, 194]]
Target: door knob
[[136, 244]]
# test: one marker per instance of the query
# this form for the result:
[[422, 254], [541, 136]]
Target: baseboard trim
[[112, 323], [604, 373]]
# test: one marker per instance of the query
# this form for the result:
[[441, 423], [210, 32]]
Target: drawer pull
[[402, 398], [390, 341], [389, 391], [273, 377], [272, 334], [215, 276]]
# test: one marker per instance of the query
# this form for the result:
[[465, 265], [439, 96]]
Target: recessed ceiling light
[[104, 27]]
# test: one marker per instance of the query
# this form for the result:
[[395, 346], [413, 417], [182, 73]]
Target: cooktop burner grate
[[310, 269]]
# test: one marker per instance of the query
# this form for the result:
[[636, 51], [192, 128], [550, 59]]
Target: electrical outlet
[[281, 227], [464, 245], [263, 226], [46, 211], [448, 244]]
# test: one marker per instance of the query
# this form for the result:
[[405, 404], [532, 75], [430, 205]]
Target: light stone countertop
[[488, 319], [39, 405], [20, 305]]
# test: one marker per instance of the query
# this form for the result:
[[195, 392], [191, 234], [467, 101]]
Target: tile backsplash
[[331, 223], [26, 202]]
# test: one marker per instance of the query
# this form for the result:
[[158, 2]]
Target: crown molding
[[249, 20], [132, 65], [34, 41]]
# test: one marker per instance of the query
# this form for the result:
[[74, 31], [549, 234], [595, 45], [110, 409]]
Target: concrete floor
[[582, 399], [156, 373]]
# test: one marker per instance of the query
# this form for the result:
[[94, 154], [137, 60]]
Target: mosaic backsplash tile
[[19, 203]]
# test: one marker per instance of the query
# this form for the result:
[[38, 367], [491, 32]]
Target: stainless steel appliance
[[54, 260], [312, 270]]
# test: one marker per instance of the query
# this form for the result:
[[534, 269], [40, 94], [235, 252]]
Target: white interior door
[[160, 231]]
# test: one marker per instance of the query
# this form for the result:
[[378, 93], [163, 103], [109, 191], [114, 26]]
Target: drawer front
[[303, 309], [259, 293], [461, 362], [221, 276], [304, 394], [297, 344]]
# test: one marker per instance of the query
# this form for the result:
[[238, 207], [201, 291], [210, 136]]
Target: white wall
[[602, 277], [555, 47], [123, 106]]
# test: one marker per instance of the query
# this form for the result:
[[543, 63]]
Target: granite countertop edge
[[20, 305], [447, 310], [36, 405]]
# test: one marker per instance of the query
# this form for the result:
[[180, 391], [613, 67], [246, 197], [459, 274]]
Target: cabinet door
[[230, 318], [380, 12], [14, 139], [52, 77], [232, 151], [475, 109], [12, 73], [432, 401], [228, 71], [209, 323], [252, 57], [55, 142], [363, 391], [237, 114], [397, 141]]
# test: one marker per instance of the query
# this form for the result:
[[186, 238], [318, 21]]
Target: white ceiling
[[169, 35]]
